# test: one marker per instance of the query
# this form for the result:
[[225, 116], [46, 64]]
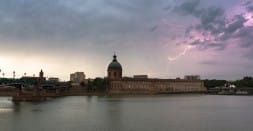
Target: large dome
[[114, 64]]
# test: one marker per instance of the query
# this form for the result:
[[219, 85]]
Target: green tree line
[[98, 84], [247, 81]]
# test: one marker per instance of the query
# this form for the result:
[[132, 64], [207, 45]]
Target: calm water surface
[[130, 113]]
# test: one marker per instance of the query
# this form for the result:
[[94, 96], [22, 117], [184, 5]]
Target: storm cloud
[[85, 33], [215, 29], [248, 5], [72, 20]]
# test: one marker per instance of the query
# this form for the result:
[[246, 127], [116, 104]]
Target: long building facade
[[146, 86], [119, 85]]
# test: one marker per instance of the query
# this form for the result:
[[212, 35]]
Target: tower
[[114, 70], [41, 74]]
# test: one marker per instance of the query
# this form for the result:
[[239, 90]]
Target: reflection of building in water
[[143, 84]]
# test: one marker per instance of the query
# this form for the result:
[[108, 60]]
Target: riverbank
[[85, 93]]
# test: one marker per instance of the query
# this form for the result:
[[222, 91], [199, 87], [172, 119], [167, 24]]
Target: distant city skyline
[[158, 38]]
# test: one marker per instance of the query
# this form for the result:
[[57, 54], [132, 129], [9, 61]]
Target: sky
[[160, 38]]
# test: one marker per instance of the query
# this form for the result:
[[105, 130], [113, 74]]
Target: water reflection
[[128, 113], [6, 105], [113, 112], [16, 106], [2, 110]]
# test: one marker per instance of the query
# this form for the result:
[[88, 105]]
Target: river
[[130, 113]]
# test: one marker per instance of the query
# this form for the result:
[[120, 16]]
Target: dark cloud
[[206, 44], [245, 35], [250, 8], [96, 21], [167, 8], [248, 5], [189, 8], [236, 24], [215, 29], [212, 16], [30, 19], [154, 28]]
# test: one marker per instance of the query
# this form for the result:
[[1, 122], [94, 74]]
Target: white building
[[77, 78]]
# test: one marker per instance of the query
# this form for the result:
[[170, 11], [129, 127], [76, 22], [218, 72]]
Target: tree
[[247, 78], [245, 82], [82, 84], [89, 85], [99, 83], [214, 83]]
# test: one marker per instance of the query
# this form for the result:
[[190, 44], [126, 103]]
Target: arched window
[[115, 74]]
